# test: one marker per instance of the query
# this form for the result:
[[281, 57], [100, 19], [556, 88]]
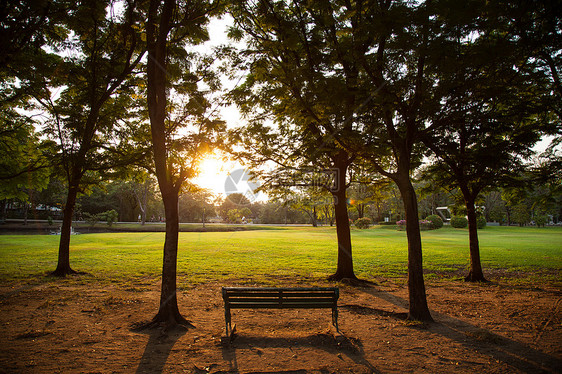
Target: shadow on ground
[[158, 349], [335, 345], [511, 352]]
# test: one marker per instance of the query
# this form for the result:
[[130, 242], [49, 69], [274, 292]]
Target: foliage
[[110, 217], [498, 215], [194, 205], [234, 216], [423, 224], [541, 220], [92, 219], [521, 214], [363, 223], [459, 222], [23, 161], [233, 201], [436, 221]]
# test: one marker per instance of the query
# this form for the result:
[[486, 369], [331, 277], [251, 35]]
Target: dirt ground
[[86, 327]]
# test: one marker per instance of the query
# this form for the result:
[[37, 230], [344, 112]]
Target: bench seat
[[279, 298]]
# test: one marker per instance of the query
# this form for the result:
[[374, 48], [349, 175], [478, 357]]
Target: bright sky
[[219, 174]]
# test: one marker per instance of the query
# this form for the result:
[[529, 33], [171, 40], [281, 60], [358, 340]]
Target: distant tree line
[[530, 203]]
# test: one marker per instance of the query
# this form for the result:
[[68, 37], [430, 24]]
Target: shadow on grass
[[334, 345], [511, 352]]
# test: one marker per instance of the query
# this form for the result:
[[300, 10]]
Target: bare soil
[[84, 326]]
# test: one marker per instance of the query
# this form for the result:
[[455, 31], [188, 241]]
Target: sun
[[222, 176], [213, 171]]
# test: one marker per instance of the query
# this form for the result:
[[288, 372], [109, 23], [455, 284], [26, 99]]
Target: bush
[[363, 223], [425, 225], [401, 225], [436, 221], [91, 219], [459, 222], [111, 216], [481, 222]]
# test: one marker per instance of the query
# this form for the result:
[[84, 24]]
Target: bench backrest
[[280, 298]]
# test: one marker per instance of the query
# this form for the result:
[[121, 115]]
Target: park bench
[[279, 298]]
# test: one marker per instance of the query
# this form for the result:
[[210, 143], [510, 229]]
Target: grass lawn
[[292, 253]]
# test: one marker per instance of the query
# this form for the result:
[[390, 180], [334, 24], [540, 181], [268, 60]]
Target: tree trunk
[[345, 257], [168, 312], [158, 28], [314, 217], [475, 274], [142, 200], [63, 267], [25, 213], [418, 309], [4, 211]]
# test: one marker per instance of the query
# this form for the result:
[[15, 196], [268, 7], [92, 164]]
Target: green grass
[[289, 253]]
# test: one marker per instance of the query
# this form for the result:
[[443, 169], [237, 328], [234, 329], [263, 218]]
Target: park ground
[[87, 324]]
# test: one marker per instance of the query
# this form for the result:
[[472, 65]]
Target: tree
[[521, 214], [195, 205], [493, 115], [292, 84], [366, 189], [143, 187], [311, 201], [88, 119], [233, 201], [170, 26], [536, 28], [382, 50], [351, 78]]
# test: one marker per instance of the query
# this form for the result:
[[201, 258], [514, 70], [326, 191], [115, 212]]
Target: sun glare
[[222, 177], [213, 173]]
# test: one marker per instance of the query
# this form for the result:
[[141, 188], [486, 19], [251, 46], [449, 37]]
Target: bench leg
[[335, 319], [227, 322]]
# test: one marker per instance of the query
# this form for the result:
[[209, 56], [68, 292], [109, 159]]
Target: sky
[[219, 174]]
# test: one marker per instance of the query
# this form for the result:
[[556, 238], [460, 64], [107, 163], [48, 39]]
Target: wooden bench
[[279, 298]]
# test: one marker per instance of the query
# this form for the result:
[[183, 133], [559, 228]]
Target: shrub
[[91, 219], [481, 222], [111, 216], [363, 223], [436, 221], [50, 220], [425, 225], [234, 216], [459, 222]]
